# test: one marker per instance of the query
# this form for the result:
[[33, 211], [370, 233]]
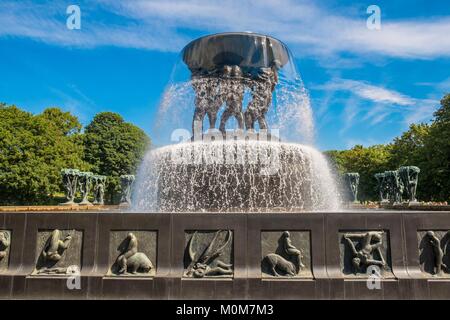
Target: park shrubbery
[[424, 145], [34, 149]]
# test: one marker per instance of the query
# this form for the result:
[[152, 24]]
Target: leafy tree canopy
[[114, 147]]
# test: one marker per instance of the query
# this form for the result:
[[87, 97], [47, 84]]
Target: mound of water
[[240, 175]]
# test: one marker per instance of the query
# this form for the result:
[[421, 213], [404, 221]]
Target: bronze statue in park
[[208, 100], [233, 94], [382, 186], [262, 86], [126, 182], [85, 181], [409, 176], [99, 189], [223, 65], [352, 182], [394, 186], [70, 181]]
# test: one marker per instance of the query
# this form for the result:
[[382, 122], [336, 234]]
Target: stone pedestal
[[243, 241]]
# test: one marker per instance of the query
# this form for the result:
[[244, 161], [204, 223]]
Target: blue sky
[[366, 86]]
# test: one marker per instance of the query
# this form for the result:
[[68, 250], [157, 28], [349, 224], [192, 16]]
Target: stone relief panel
[[208, 254], [58, 252], [132, 253], [286, 254], [5, 243], [434, 252], [362, 253]]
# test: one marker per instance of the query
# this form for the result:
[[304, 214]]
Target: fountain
[[243, 77], [232, 189]]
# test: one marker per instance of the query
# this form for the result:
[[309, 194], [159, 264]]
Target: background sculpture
[[85, 181], [382, 187], [409, 177], [126, 181], [99, 189], [70, 180], [393, 185], [352, 182]]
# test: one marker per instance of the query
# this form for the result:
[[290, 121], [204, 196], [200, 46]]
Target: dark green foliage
[[113, 148], [34, 149]]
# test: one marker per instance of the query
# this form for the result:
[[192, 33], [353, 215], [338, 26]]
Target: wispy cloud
[[310, 29], [371, 104]]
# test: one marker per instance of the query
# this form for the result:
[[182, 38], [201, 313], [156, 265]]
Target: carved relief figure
[[132, 261], [5, 242], [289, 267], [207, 263], [409, 177], [437, 252], [52, 252], [369, 243], [70, 179], [233, 94]]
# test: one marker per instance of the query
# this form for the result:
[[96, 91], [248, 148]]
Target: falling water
[[246, 174]]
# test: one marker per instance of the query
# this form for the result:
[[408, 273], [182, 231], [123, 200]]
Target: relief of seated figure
[[130, 260]]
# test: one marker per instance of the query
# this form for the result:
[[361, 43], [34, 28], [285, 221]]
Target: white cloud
[[371, 104], [161, 25]]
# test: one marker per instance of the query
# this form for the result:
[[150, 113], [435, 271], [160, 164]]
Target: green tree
[[33, 150], [437, 149], [411, 149], [114, 147]]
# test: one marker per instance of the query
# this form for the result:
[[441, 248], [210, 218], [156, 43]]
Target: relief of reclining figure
[[204, 265], [275, 261], [52, 253], [130, 260], [371, 242]]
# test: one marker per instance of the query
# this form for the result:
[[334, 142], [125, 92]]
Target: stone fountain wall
[[245, 241]]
